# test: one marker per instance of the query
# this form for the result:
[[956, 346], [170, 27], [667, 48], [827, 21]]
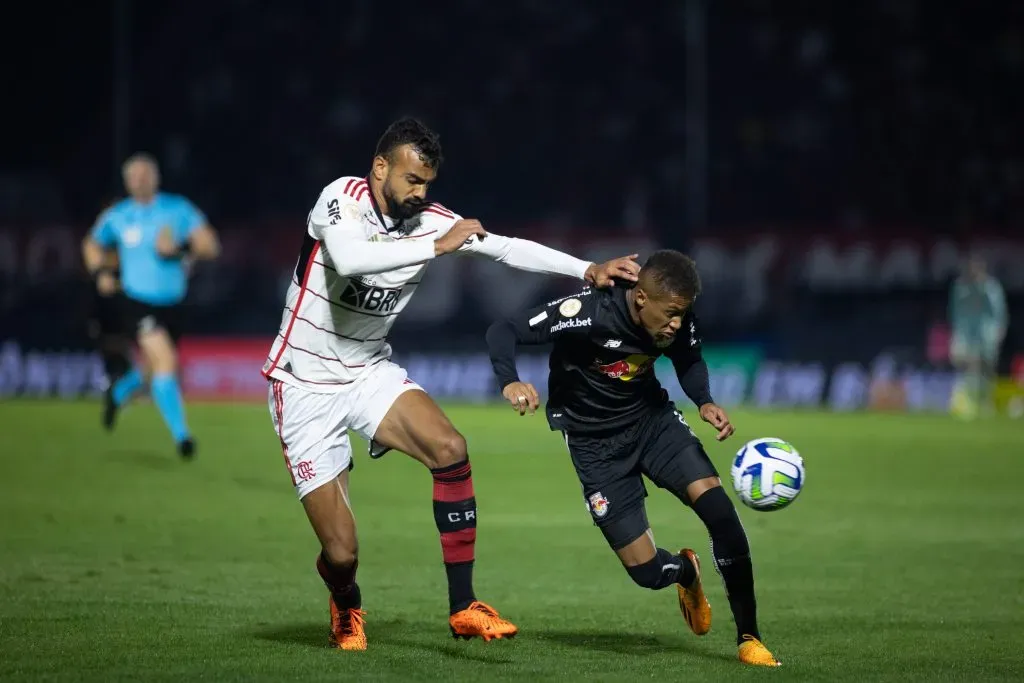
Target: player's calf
[[731, 554], [656, 568], [158, 348], [663, 570], [328, 511]]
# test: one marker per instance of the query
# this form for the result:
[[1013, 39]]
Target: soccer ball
[[767, 474]]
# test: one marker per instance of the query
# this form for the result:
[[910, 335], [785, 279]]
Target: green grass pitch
[[903, 559]]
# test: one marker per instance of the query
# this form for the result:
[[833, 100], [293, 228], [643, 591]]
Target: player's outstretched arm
[[341, 233], [536, 258]]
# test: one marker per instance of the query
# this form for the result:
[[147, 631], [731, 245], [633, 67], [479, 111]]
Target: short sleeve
[[103, 232]]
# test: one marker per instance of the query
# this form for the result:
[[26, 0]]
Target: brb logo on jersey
[[626, 369], [358, 294]]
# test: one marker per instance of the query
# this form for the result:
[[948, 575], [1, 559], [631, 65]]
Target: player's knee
[[159, 352], [449, 450], [650, 575], [341, 552]]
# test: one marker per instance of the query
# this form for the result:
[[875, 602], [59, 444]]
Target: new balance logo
[[613, 344], [566, 324]]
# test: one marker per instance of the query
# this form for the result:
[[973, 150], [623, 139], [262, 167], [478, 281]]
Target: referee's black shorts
[[139, 317], [106, 318]]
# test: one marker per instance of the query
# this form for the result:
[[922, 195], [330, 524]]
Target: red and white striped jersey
[[354, 277], [334, 326]]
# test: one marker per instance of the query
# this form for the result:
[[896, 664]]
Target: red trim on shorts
[[278, 389]]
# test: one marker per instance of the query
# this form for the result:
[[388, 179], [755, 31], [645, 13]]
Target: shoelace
[[485, 608], [355, 618]]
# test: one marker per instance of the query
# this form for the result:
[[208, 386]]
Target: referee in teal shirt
[[155, 235]]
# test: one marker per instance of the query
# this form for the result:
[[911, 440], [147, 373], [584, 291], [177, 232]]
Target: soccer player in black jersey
[[620, 425]]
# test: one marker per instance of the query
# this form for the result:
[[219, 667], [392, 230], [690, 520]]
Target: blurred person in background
[[105, 327], [155, 235], [979, 318]]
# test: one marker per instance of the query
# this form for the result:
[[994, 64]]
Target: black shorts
[[106, 319], [140, 317], [611, 467]]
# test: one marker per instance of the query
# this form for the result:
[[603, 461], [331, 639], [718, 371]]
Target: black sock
[[115, 364], [341, 582], [663, 570], [731, 554], [460, 585], [687, 572], [455, 517]]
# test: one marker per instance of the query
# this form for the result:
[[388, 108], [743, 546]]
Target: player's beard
[[663, 342], [401, 211]]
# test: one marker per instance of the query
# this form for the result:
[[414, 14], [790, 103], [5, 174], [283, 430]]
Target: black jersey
[[602, 363]]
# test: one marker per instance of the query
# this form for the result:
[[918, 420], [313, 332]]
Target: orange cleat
[[752, 651], [347, 631], [692, 602], [480, 621]]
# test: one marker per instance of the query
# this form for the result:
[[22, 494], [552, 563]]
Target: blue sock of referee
[[167, 397], [126, 385]]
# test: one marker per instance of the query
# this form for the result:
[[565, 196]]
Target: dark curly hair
[[671, 272], [411, 131]]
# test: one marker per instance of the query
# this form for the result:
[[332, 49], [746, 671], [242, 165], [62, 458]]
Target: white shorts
[[313, 428]]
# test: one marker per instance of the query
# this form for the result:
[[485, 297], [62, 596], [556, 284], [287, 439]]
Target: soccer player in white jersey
[[367, 243]]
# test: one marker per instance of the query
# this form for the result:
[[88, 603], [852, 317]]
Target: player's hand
[[522, 396], [165, 244], [106, 284], [459, 234], [624, 268], [717, 418]]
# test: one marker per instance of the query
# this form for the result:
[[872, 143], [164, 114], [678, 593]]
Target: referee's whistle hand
[[165, 245], [522, 396]]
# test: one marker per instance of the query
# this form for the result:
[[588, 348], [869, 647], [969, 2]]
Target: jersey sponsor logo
[[566, 324], [334, 211], [358, 294], [132, 236], [584, 292], [570, 307], [598, 504], [628, 368]]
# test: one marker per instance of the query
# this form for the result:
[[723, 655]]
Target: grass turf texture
[[902, 558]]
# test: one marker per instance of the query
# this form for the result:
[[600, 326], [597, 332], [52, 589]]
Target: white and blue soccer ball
[[767, 474]]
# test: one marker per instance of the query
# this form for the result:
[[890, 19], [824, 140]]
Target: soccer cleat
[[187, 449], [480, 621], [109, 409], [752, 651], [347, 632], [692, 602]]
